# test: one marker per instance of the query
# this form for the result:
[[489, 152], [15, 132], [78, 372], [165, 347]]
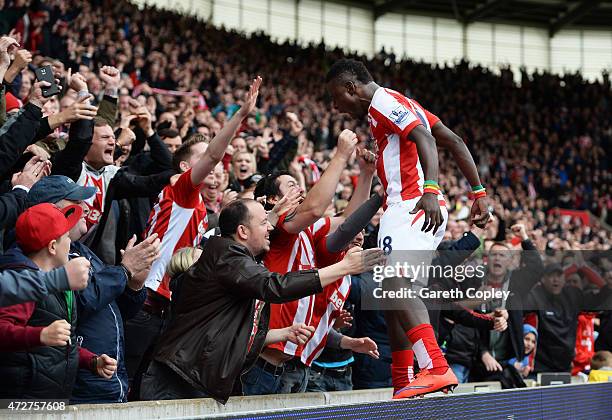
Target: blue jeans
[[294, 378], [324, 382], [461, 372], [258, 381], [369, 373]]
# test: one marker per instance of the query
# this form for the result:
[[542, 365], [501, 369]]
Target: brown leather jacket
[[207, 340]]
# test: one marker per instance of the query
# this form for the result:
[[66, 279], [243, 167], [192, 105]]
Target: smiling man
[[221, 322]]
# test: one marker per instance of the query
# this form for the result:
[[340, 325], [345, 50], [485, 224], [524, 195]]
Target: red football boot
[[426, 382]]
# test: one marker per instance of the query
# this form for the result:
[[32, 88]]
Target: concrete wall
[[208, 408]]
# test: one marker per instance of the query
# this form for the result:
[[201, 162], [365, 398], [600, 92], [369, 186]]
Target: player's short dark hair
[[269, 186], [233, 215], [184, 151], [349, 69]]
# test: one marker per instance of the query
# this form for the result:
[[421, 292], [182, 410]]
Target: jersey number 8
[[385, 245]]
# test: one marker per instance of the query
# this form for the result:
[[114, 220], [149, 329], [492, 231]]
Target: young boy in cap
[[41, 356]]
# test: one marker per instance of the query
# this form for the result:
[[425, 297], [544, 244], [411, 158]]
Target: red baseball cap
[[12, 102], [42, 223]]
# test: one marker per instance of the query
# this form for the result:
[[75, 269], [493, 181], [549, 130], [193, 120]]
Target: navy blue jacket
[[102, 306]]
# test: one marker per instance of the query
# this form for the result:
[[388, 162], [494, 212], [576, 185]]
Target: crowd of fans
[[144, 92]]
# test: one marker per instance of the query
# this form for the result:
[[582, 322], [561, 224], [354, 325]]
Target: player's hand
[[432, 213], [285, 205], [299, 333], [490, 363], [363, 345], [250, 99], [479, 213]]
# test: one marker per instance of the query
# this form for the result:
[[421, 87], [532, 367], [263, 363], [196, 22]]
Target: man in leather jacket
[[221, 322]]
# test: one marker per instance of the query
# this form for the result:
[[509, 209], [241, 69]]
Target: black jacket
[[518, 282], [12, 204], [206, 342], [557, 318], [16, 135], [44, 371]]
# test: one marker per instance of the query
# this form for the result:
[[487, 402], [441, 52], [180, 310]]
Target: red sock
[[401, 368], [425, 347]]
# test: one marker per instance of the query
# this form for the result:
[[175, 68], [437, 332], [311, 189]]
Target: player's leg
[[402, 357], [397, 312], [409, 324]]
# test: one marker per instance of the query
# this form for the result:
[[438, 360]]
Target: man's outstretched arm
[[320, 196], [216, 149]]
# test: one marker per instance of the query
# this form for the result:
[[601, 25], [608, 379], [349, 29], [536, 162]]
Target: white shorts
[[402, 240]]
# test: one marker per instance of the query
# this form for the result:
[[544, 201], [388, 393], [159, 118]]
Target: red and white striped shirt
[[392, 117], [328, 303], [292, 252], [179, 219]]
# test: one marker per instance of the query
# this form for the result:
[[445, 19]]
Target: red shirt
[[392, 117], [179, 219], [291, 252], [329, 302], [585, 342]]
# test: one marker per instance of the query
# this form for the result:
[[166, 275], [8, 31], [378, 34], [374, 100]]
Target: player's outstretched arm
[[428, 156], [216, 149], [320, 196], [446, 138]]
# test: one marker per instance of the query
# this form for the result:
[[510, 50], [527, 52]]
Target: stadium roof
[[553, 14]]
